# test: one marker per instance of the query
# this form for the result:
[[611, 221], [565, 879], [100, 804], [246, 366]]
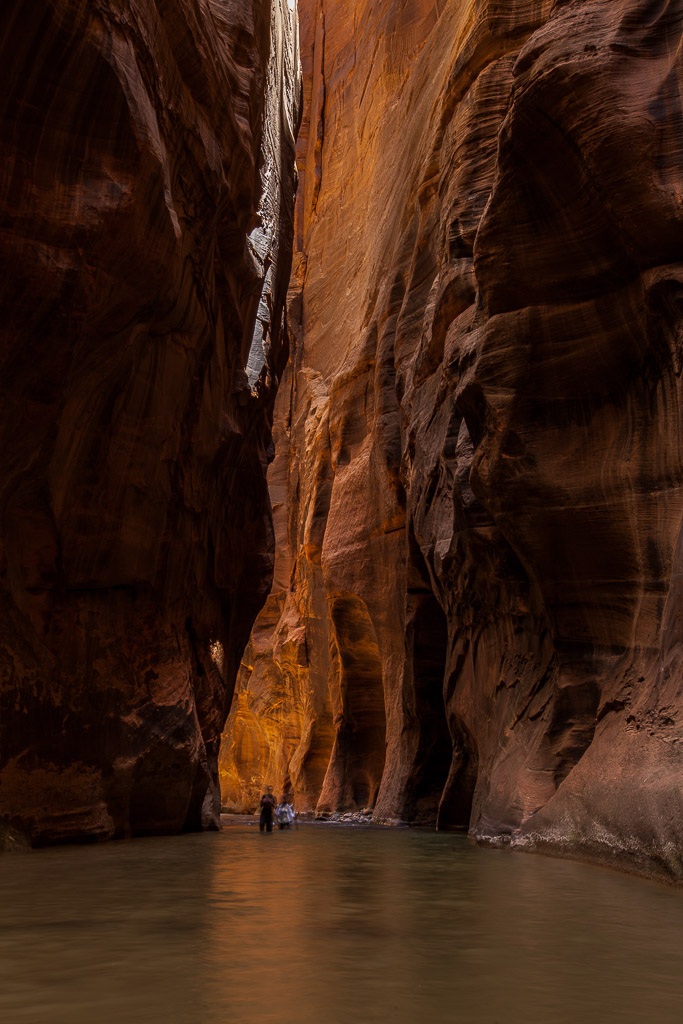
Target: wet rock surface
[[478, 486], [145, 219]]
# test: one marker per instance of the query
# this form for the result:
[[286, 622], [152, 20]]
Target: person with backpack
[[284, 815]]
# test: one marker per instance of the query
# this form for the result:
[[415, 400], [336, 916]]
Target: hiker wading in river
[[267, 805]]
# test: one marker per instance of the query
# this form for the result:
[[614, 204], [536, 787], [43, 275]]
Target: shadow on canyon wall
[[145, 147]]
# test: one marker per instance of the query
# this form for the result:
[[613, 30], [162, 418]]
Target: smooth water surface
[[326, 925]]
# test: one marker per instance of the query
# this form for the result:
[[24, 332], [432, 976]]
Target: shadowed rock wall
[[478, 489], [145, 220]]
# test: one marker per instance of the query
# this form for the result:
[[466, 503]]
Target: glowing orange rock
[[482, 492]]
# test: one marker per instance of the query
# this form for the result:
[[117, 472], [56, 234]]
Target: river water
[[326, 925]]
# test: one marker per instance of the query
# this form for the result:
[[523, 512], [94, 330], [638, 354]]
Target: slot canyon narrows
[[416, 504]]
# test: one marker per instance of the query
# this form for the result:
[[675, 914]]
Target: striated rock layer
[[145, 228], [478, 490]]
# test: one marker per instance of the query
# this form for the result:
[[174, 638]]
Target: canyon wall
[[146, 204], [478, 488]]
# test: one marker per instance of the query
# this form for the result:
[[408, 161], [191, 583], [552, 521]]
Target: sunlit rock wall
[[479, 488], [145, 225]]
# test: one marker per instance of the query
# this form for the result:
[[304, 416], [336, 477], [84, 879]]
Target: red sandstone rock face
[[143, 142], [479, 485]]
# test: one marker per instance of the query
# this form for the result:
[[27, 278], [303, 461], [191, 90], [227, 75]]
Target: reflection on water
[[326, 925]]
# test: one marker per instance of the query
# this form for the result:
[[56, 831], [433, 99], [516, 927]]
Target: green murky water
[[326, 925]]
